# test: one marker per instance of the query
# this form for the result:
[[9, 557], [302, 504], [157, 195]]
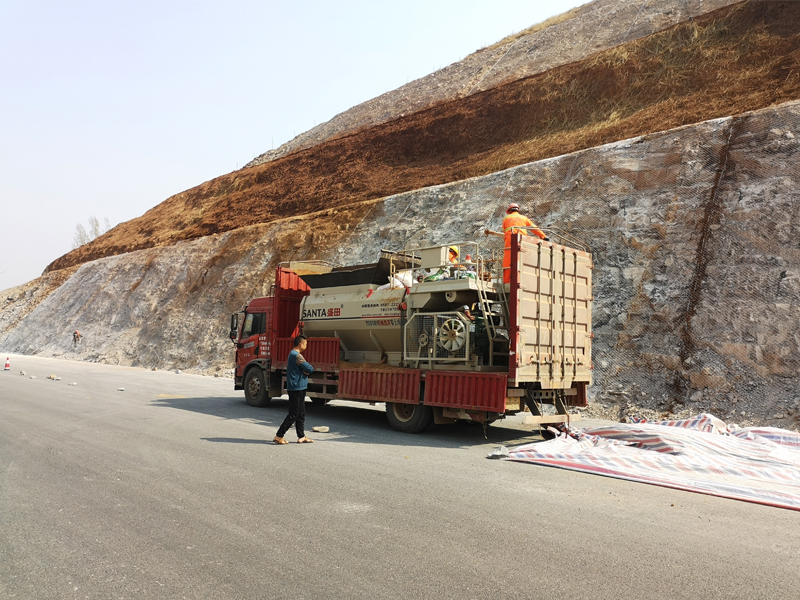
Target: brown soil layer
[[736, 59]]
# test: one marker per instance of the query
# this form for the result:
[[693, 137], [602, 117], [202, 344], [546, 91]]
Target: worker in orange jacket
[[515, 223]]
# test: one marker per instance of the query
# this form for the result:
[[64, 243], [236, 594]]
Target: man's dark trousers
[[297, 414]]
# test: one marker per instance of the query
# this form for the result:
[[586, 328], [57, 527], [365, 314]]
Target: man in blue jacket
[[297, 372]]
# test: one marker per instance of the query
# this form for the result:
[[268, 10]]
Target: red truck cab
[[255, 330]]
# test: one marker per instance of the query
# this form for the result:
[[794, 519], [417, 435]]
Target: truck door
[[254, 325]]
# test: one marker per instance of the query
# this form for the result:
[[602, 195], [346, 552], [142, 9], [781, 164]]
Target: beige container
[[554, 315]]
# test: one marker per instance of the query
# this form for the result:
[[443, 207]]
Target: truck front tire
[[255, 389], [409, 418]]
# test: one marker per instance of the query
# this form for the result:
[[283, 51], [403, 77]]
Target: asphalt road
[[170, 489]]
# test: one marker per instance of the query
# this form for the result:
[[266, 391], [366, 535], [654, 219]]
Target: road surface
[[171, 489]]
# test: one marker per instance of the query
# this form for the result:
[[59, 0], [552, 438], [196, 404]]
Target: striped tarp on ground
[[701, 454]]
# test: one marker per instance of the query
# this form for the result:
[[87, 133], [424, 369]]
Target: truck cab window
[[262, 327], [247, 329], [254, 323]]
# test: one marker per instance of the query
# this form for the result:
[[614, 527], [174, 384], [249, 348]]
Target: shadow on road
[[353, 423], [234, 440]]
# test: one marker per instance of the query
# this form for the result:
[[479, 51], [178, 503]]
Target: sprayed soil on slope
[[564, 39], [733, 60]]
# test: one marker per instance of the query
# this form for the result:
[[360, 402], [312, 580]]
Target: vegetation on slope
[[736, 59]]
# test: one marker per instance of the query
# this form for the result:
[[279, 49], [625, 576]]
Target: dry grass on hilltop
[[740, 58]]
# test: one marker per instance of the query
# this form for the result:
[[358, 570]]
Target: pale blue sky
[[107, 108]]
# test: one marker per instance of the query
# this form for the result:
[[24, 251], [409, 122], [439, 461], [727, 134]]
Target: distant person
[[443, 272], [76, 338], [452, 255], [515, 223], [297, 372]]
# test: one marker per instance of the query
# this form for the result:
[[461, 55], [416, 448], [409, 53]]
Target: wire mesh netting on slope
[[695, 234]]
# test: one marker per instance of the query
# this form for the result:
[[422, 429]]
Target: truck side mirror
[[234, 327]]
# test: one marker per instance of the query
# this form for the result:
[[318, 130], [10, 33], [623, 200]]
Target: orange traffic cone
[[8, 364]]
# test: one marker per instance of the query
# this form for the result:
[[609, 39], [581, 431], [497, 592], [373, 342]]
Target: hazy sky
[[109, 107]]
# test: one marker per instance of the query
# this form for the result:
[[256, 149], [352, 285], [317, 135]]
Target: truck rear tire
[[409, 418], [255, 388]]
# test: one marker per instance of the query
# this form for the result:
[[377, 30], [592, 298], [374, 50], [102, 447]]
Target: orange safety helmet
[[513, 207]]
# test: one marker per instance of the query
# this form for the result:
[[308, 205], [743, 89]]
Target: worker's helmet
[[454, 250], [513, 207]]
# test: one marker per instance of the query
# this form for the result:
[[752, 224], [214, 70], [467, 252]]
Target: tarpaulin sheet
[[701, 454]]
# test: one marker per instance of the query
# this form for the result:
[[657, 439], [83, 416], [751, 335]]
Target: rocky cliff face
[[697, 280]]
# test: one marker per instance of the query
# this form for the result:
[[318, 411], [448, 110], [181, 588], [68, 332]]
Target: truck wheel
[[255, 390], [409, 418]]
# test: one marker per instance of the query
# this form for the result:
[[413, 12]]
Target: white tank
[[367, 321], [360, 306]]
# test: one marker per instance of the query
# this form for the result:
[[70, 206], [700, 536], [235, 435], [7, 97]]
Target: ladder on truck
[[495, 321]]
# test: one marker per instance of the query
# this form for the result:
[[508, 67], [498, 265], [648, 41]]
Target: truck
[[437, 338]]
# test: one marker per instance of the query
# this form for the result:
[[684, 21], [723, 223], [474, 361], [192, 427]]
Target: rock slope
[[697, 281]]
